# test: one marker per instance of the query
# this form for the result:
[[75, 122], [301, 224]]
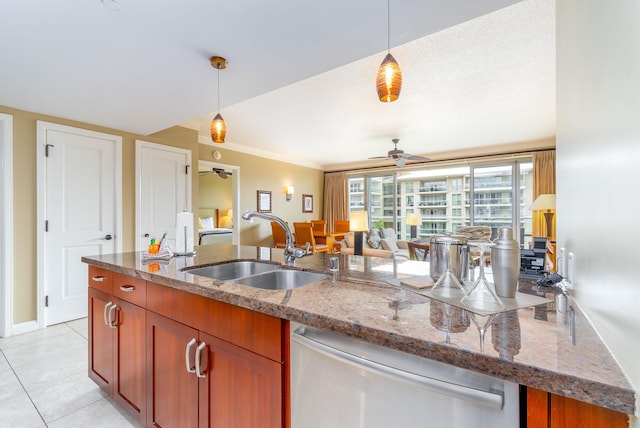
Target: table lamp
[[546, 202], [414, 220], [358, 223]]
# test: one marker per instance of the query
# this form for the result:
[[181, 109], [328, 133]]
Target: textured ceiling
[[300, 82]]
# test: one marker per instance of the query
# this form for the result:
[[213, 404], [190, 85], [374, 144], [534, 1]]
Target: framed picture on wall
[[307, 203], [264, 201]]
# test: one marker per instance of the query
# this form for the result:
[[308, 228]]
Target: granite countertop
[[531, 346]]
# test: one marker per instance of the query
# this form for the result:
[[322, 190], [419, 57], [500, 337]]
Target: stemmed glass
[[448, 284], [481, 294], [482, 322]]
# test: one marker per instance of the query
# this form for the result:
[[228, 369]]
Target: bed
[[214, 227]]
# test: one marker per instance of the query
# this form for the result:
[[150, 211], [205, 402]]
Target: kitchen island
[[550, 348]]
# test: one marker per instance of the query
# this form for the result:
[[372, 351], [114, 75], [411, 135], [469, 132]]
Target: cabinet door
[[172, 392], [101, 340], [241, 388], [130, 358]]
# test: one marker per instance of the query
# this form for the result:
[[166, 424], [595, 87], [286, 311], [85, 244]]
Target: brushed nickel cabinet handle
[[128, 288], [98, 278], [199, 349], [190, 369], [112, 317], [104, 314]]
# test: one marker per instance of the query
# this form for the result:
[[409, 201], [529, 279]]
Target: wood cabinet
[[196, 378], [175, 359], [117, 352], [546, 410]]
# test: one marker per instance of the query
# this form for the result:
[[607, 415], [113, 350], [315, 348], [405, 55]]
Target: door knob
[[108, 237], [146, 235]]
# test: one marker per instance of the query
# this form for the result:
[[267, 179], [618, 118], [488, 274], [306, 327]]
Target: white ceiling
[[300, 82]]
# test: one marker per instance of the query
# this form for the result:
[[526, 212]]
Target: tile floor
[[44, 382]]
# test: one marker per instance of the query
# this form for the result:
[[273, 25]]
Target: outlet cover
[[571, 266]]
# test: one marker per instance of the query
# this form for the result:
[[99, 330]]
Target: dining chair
[[340, 228], [279, 236], [304, 234], [419, 252], [319, 227]]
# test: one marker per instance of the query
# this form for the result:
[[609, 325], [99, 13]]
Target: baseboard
[[24, 327]]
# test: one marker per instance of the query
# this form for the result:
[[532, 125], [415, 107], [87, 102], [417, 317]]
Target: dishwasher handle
[[492, 398]]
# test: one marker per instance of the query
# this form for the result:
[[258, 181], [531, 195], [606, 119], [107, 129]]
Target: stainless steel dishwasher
[[341, 382]]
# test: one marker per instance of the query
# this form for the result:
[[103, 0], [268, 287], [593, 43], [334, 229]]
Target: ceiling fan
[[400, 157], [218, 171]]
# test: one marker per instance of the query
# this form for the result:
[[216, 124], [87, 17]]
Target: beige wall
[[256, 173], [598, 153]]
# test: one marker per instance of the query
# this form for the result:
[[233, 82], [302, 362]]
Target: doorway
[[229, 200], [6, 225]]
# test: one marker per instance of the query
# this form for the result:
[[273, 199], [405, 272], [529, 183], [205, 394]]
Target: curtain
[[336, 198], [544, 182]]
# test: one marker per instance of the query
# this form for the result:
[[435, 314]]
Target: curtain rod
[[439, 162]]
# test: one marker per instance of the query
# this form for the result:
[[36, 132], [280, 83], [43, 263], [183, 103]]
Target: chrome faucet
[[290, 252]]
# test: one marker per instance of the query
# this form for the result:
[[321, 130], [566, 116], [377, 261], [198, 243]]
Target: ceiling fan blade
[[379, 157], [419, 158]]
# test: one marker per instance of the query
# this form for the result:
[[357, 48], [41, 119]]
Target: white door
[[80, 182], [163, 174]]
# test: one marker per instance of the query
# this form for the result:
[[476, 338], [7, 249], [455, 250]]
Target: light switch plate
[[562, 262]]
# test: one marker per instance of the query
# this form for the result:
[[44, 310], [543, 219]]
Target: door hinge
[[46, 225], [46, 149], [186, 169], [46, 301]]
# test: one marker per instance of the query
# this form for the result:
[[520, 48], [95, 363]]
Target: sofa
[[383, 244]]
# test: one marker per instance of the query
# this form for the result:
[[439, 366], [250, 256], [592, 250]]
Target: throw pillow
[[390, 245], [374, 239], [349, 239]]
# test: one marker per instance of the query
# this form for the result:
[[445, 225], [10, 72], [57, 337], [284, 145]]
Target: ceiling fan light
[[389, 80], [218, 129]]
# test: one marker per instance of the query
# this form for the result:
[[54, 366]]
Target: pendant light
[[389, 78], [218, 128]]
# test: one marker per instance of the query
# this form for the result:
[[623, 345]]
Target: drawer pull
[[112, 318], [99, 278], [190, 368], [128, 288]]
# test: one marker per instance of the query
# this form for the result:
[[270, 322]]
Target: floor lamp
[[358, 223], [547, 203]]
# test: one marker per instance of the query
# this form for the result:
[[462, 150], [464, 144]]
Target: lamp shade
[[218, 129], [414, 219], [389, 80], [358, 221], [545, 201]]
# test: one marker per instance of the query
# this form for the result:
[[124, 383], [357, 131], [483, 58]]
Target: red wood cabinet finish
[[117, 353], [546, 410]]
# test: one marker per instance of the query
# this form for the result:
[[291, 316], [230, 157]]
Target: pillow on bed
[[200, 225], [207, 223]]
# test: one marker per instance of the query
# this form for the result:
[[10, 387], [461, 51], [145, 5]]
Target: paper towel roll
[[184, 234]]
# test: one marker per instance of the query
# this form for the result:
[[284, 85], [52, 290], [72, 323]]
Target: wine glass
[[448, 284], [481, 295]]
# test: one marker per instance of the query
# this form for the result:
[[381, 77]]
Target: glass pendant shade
[[218, 129], [389, 80]]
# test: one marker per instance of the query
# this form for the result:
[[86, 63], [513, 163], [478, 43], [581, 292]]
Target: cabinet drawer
[[100, 279], [257, 332], [133, 290]]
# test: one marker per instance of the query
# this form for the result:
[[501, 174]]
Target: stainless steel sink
[[284, 279], [233, 270]]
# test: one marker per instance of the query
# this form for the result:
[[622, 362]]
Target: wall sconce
[[414, 220], [547, 203], [358, 222], [288, 190]]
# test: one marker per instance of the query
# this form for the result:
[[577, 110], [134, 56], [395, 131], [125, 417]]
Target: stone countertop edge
[[618, 396]]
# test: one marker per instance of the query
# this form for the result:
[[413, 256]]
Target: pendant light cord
[[218, 90], [388, 26]]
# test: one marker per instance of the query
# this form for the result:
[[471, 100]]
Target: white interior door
[[163, 174], [81, 213]]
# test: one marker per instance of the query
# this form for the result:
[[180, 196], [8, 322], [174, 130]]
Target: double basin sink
[[268, 276]]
